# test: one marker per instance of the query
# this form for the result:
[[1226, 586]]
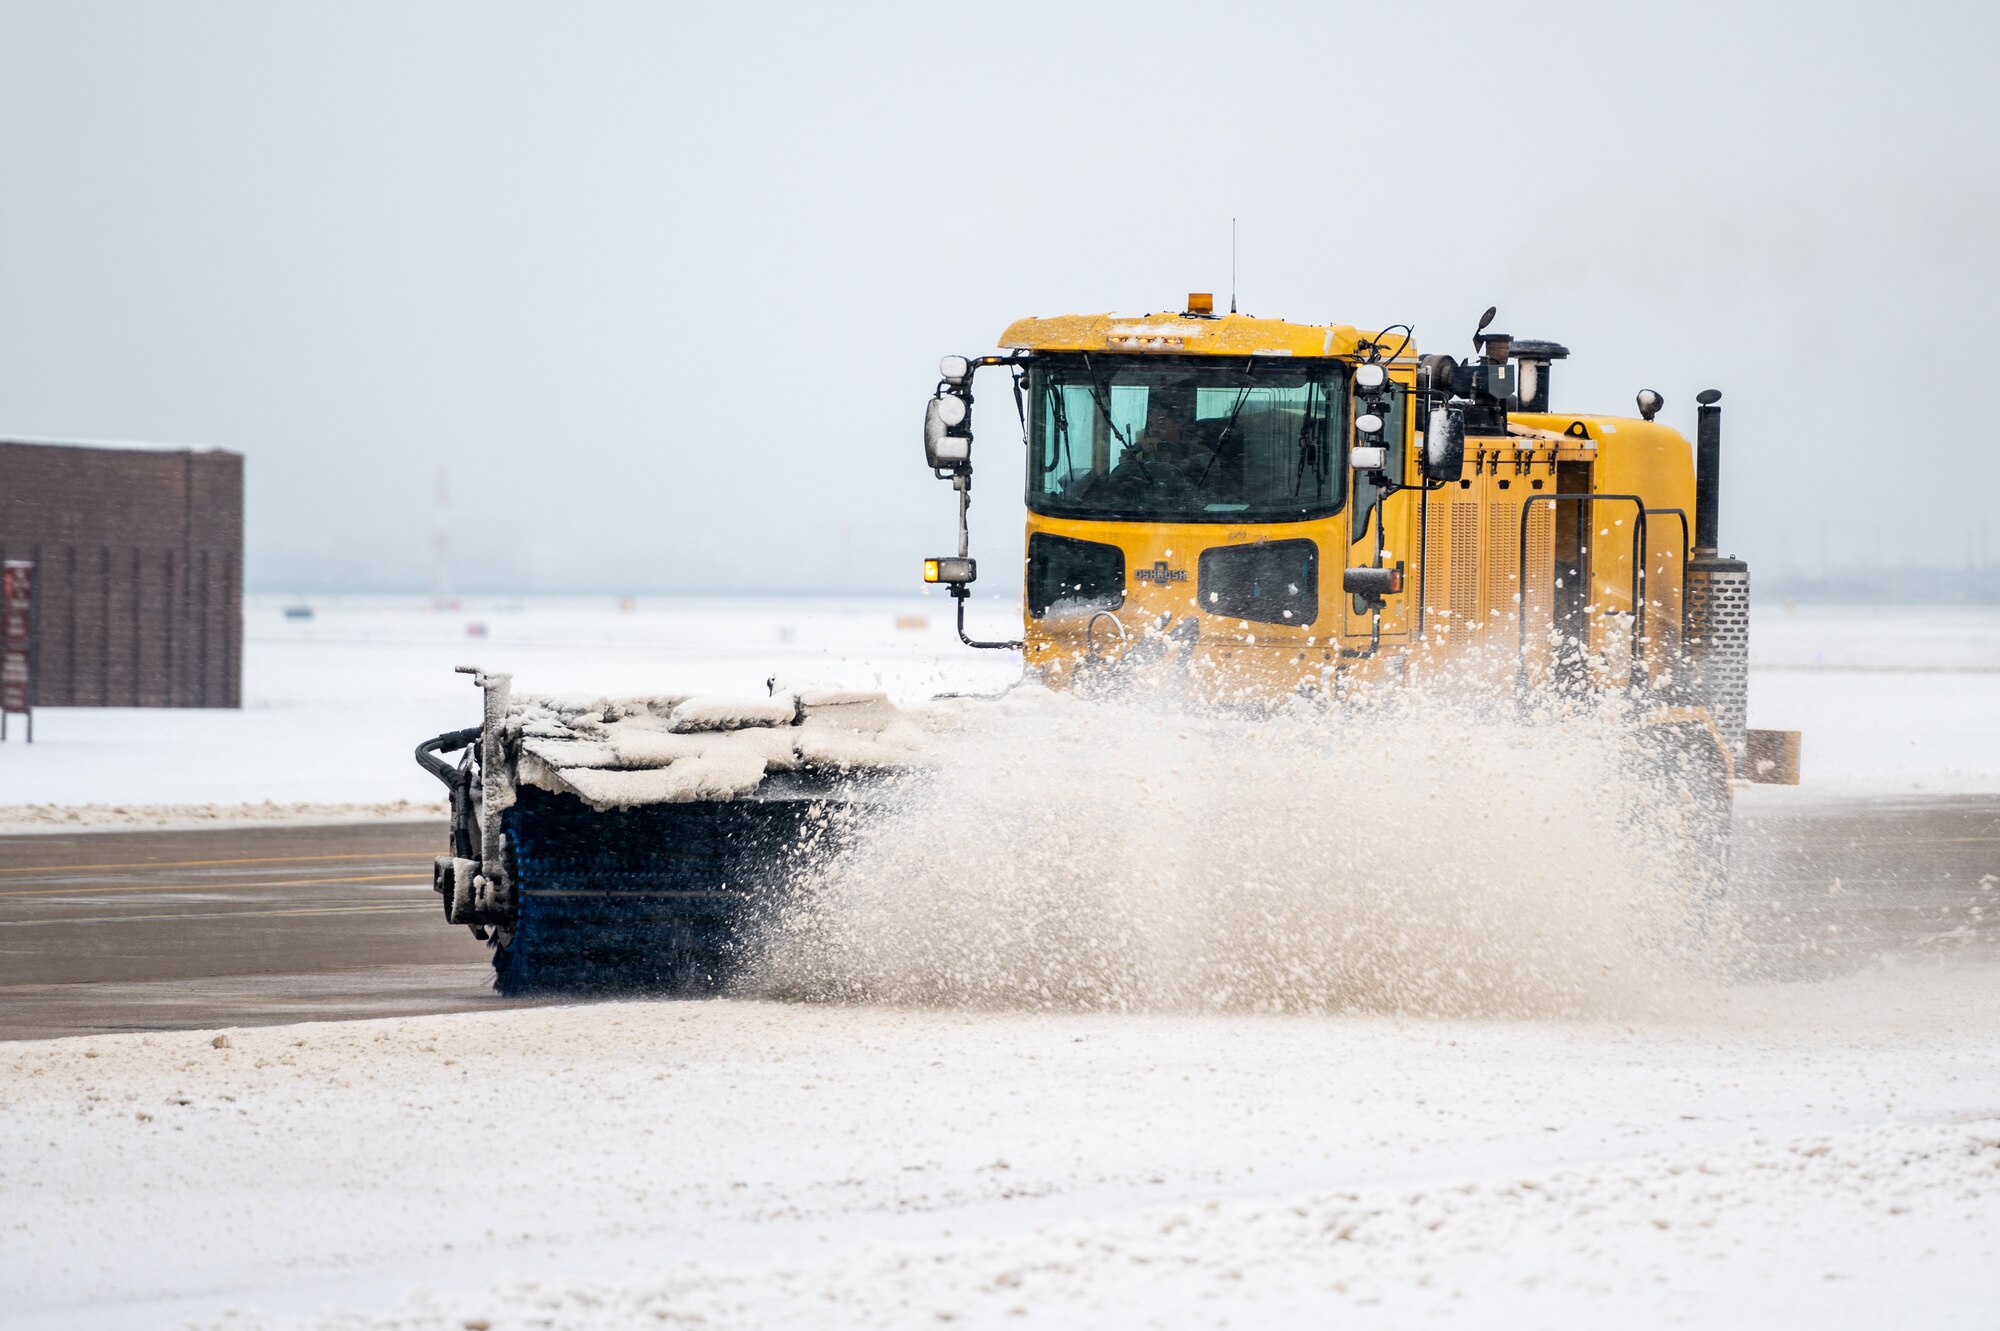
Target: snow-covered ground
[[1892, 700], [334, 705], [1742, 1154], [1825, 1156], [1895, 700]]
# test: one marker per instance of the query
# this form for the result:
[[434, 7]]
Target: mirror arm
[[961, 481], [961, 593], [963, 389], [974, 364]]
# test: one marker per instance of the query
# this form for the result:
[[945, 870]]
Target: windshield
[[1185, 438]]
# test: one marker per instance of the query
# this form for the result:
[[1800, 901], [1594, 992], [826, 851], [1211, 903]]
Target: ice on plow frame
[[1221, 508]]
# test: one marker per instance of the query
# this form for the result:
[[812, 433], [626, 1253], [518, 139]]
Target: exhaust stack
[[1716, 613], [1536, 356], [1707, 472]]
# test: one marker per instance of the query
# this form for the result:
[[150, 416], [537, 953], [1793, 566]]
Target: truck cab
[[1278, 507]]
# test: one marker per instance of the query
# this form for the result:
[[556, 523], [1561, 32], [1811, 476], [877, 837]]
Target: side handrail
[[1687, 532], [1638, 659], [1687, 538]]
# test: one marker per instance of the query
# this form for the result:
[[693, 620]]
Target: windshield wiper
[[1101, 397], [1313, 395], [1230, 428], [1060, 411]]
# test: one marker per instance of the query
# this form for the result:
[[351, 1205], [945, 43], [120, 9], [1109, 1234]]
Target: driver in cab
[[1164, 462]]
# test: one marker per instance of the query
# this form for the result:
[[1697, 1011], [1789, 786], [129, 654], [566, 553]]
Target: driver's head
[[1167, 413]]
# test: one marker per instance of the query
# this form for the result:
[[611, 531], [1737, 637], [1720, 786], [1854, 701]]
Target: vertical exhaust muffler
[[1716, 609]]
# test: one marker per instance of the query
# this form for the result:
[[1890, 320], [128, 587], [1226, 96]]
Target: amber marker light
[[955, 572]]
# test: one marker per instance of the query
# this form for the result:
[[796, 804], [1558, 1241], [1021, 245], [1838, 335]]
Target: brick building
[[138, 557]]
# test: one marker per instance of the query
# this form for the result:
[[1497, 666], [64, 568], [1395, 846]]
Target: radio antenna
[[1232, 265]]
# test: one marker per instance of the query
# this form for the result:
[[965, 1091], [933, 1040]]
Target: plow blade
[[632, 844], [659, 898]]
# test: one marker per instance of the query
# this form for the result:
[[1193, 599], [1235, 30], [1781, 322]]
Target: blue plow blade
[[660, 898]]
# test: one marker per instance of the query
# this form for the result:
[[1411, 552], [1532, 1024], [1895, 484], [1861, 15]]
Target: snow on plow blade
[[629, 843]]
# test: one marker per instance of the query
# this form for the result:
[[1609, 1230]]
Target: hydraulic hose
[[449, 742]]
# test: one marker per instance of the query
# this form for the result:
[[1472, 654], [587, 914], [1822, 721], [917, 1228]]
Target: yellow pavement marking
[[197, 864], [385, 909], [209, 887]]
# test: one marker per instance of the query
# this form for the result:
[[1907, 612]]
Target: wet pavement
[[1824, 889], [133, 931]]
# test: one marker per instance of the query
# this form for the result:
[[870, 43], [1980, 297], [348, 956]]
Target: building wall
[[138, 572]]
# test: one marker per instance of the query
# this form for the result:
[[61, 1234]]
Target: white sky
[[664, 287]]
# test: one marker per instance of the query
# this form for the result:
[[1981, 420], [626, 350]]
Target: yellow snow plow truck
[[1244, 511]]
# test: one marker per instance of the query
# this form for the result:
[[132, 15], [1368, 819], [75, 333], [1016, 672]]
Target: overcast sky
[[664, 287]]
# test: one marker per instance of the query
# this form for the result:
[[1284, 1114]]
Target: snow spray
[[1425, 851]]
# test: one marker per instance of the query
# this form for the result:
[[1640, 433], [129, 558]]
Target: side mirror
[[1444, 445], [942, 449]]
